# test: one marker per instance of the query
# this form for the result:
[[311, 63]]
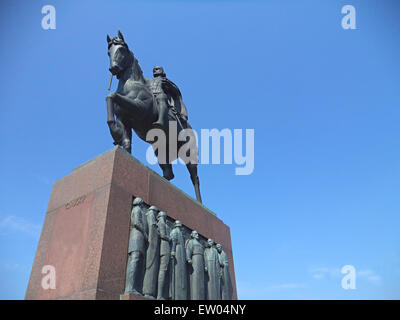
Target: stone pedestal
[[86, 230]]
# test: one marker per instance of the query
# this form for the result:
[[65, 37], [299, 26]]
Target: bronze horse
[[133, 106]]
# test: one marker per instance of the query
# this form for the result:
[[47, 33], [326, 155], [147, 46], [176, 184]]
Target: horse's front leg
[[110, 108], [137, 106]]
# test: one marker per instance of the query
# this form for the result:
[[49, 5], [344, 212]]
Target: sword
[[177, 117]]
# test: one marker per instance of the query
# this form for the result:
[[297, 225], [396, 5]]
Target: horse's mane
[[137, 70]]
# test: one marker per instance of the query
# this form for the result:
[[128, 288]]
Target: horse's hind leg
[[192, 168], [121, 134], [167, 171], [164, 165], [127, 139]]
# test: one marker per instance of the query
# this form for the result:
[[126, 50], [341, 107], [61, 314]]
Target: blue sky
[[324, 103]]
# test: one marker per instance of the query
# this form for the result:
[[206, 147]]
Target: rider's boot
[[162, 120]]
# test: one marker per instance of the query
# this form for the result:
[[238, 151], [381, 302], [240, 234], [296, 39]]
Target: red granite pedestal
[[86, 230]]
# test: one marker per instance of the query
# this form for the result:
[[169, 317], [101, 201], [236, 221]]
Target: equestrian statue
[[142, 104]]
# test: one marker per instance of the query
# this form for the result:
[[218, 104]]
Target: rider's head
[[158, 72]]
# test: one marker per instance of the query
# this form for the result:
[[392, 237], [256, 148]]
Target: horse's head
[[120, 56]]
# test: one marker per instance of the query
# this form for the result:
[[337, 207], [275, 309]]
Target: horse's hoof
[[169, 176]]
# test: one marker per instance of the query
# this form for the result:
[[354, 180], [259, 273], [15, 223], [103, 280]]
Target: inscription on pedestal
[[75, 202]]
